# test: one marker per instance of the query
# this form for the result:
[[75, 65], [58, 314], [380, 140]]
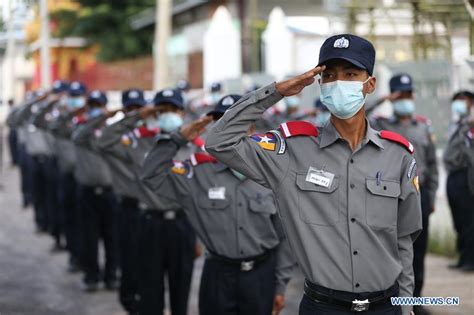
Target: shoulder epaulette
[[201, 158], [395, 137], [79, 120], [298, 128], [199, 142], [143, 132]]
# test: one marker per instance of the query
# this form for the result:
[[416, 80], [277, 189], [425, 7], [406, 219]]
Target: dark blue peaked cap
[[401, 82], [354, 49]]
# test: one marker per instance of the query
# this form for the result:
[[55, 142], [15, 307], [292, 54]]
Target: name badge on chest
[[216, 193], [319, 177]]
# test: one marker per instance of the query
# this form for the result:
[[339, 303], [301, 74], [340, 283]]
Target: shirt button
[[352, 160], [241, 251], [241, 228], [355, 252], [357, 285], [353, 220], [240, 204], [352, 186]]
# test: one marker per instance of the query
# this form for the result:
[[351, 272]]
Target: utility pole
[[8, 85], [44, 44], [163, 20]]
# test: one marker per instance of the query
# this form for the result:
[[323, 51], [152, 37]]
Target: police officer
[[458, 160], [98, 204], [12, 134], [127, 190], [67, 114], [166, 240], [416, 129], [348, 195], [245, 271]]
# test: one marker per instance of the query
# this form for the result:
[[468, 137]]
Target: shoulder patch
[[395, 137], [281, 141], [267, 141], [126, 141], [179, 168], [201, 158], [298, 128]]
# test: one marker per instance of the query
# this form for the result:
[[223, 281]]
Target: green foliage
[[107, 23]]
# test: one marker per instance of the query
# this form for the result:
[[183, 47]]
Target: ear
[[369, 86]]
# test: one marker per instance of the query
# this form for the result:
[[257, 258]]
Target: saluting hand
[[192, 130], [295, 85], [278, 304], [148, 111]]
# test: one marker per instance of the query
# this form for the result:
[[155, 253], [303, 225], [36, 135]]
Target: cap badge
[[168, 93], [228, 101], [133, 94], [95, 94], [75, 85], [341, 43], [405, 79], [57, 84]]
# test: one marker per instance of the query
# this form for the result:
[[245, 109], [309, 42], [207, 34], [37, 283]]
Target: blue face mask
[[322, 118], [94, 112], [292, 101], [76, 102], [459, 107], [343, 98], [405, 107], [240, 176], [169, 122], [152, 122]]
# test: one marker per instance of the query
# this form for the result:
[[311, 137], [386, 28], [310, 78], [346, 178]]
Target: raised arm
[[228, 140]]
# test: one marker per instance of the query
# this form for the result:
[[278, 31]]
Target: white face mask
[[152, 122]]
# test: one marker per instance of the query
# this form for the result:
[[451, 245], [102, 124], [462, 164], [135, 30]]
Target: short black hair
[[463, 93]]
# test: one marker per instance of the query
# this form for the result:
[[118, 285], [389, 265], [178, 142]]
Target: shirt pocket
[[318, 204], [381, 203], [262, 205], [212, 204]]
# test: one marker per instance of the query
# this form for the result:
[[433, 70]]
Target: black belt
[[350, 301], [129, 201], [164, 215], [244, 264]]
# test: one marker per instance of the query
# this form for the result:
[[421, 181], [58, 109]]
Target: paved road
[[33, 281]]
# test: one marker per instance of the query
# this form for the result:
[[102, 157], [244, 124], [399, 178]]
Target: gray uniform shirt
[[91, 169], [355, 234], [419, 134], [233, 218], [123, 141], [61, 128]]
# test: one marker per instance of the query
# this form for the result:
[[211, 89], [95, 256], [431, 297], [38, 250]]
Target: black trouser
[[69, 207], [99, 210], [421, 244], [13, 145], [167, 247], [55, 215], [26, 168], [309, 307], [42, 194], [461, 201], [129, 226], [226, 290]]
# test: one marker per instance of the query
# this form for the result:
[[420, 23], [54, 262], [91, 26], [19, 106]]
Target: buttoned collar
[[329, 135]]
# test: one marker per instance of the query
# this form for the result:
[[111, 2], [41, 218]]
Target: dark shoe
[[73, 267], [111, 285], [89, 287], [467, 267], [456, 265]]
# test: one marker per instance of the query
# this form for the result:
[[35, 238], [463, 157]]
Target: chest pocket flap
[[263, 205], [384, 188], [305, 185], [213, 204]]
